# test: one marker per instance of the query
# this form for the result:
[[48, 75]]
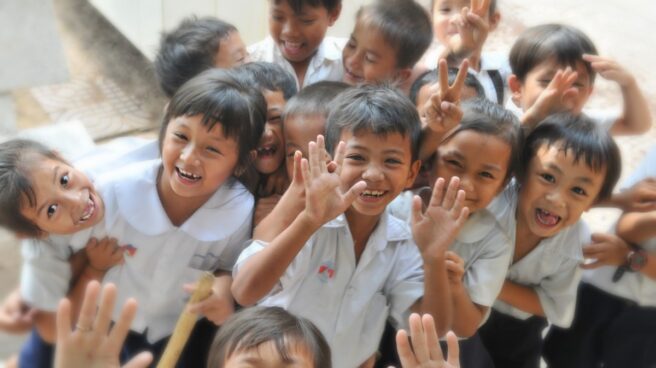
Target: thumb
[[354, 192], [416, 209], [142, 360]]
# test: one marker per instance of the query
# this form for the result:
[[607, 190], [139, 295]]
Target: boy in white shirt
[[298, 41], [351, 273]]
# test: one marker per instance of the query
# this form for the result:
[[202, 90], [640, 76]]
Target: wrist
[[308, 222], [94, 272], [636, 258]]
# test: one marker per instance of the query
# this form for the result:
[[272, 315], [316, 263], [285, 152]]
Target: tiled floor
[[113, 91]]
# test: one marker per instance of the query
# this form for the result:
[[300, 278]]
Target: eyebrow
[[555, 168]]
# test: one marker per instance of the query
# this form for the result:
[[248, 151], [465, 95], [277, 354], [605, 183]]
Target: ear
[[403, 75], [333, 15], [515, 86], [494, 20], [412, 173]]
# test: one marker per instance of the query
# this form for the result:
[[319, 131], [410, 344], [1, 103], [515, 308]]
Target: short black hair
[[314, 99], [493, 7], [377, 109], [188, 50], [222, 97], [432, 76], [297, 5], [268, 76], [254, 326], [565, 43], [486, 117], [16, 183], [581, 136], [404, 24]]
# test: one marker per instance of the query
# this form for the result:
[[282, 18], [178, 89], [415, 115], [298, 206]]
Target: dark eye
[[51, 210], [579, 191], [355, 157], [64, 180], [486, 174], [393, 161], [180, 136], [274, 120], [213, 150], [548, 177], [445, 10], [307, 22], [454, 163]]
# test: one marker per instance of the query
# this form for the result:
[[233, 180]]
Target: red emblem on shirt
[[129, 249]]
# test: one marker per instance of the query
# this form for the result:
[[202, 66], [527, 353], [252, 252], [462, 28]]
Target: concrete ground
[[101, 60]]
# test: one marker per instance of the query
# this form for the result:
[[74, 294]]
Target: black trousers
[[608, 331]]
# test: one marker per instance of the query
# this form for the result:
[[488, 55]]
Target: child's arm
[[434, 231], [442, 112], [424, 350], [558, 96], [324, 200], [521, 297], [640, 197], [636, 118], [219, 306], [467, 315], [264, 206]]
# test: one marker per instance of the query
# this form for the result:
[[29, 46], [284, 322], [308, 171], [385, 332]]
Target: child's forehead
[[298, 8], [456, 3], [553, 64], [557, 156], [368, 139]]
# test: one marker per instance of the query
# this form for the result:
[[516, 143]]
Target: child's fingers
[[464, 214], [590, 266], [315, 162], [418, 337], [593, 58], [88, 309], [454, 349], [416, 209], [451, 193], [459, 82], [353, 193], [405, 351], [459, 203], [63, 320], [142, 360], [305, 170], [104, 316], [444, 75], [121, 328], [432, 340], [483, 8], [321, 151], [438, 193]]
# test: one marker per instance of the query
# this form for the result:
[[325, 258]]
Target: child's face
[[556, 191], [66, 200], [298, 36], [299, 131], [445, 15], [526, 92], [271, 149], [266, 356], [481, 163], [384, 162], [232, 52], [195, 160], [367, 58]]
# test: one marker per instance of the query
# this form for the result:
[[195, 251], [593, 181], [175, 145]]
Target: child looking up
[[387, 40], [345, 263], [554, 68], [297, 40], [197, 44], [568, 163]]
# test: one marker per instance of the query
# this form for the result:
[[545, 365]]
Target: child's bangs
[[297, 5]]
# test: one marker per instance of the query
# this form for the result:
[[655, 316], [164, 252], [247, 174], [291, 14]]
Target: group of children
[[341, 185]]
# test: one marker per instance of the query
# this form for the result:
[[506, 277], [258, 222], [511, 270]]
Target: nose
[[556, 198], [188, 154], [373, 173], [289, 29], [353, 61], [466, 184]]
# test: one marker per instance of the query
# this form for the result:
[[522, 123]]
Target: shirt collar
[[477, 226], [139, 204], [389, 229]]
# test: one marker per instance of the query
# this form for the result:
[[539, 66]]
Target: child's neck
[[361, 227], [178, 209], [300, 68], [525, 240]]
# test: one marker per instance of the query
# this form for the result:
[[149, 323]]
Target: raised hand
[[425, 350], [90, 345], [436, 228], [640, 197], [324, 197], [606, 250], [559, 95], [610, 69], [103, 254], [442, 112], [473, 28]]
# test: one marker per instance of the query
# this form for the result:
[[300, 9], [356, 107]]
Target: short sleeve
[[486, 274], [646, 169], [234, 247], [557, 293], [405, 283], [45, 274]]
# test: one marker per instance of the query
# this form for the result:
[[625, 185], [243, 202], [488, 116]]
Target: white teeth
[[293, 45], [373, 193], [90, 209], [188, 175]]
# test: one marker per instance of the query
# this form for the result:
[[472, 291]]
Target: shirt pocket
[[206, 258]]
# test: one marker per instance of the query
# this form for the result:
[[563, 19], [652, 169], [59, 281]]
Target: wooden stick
[[185, 323]]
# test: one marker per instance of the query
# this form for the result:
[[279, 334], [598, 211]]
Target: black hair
[[566, 44], [315, 99], [297, 5], [16, 182], [432, 76], [268, 76], [188, 50], [584, 139], [222, 97], [486, 117], [404, 24], [493, 7], [254, 326], [376, 109]]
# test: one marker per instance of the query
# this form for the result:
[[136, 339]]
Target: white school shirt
[[350, 303], [46, 272], [634, 286], [489, 61], [161, 257], [551, 269], [604, 118], [326, 64], [482, 244]]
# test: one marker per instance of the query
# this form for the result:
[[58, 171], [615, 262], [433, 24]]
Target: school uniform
[[615, 320], [511, 336], [604, 118], [493, 74], [350, 302], [326, 64]]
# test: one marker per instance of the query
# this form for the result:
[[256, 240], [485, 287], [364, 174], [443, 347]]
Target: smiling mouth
[[266, 151], [352, 76], [187, 176], [89, 210], [373, 194], [292, 47], [546, 218]]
